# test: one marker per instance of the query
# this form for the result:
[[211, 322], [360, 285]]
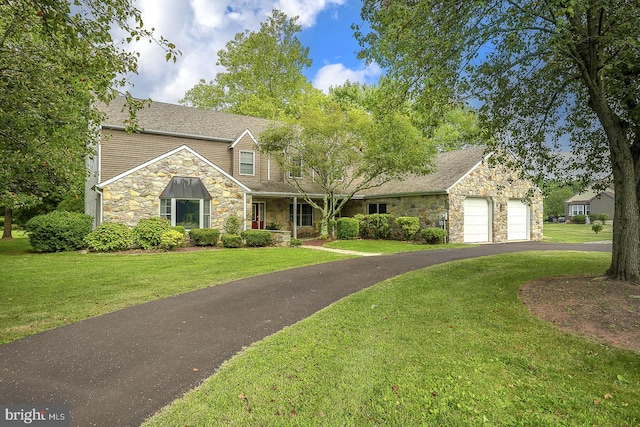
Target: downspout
[[244, 211]]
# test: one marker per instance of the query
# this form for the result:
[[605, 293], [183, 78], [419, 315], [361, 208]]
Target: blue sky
[[200, 28]]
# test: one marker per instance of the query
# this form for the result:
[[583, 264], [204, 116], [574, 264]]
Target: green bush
[[233, 225], [347, 228], [59, 231], [256, 238], [295, 242], [231, 240], [602, 217], [579, 219], [109, 236], [148, 232], [434, 235], [597, 228], [204, 236], [171, 240], [409, 226], [375, 226], [180, 229], [273, 226]]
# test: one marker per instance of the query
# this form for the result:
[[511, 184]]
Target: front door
[[257, 216]]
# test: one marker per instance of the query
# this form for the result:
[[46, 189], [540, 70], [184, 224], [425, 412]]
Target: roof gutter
[[172, 134]]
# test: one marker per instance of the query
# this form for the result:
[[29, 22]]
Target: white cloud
[[337, 74], [200, 28]]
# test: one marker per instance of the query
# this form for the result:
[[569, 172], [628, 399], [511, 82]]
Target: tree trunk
[[8, 220]]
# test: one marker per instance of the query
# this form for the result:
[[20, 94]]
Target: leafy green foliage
[[204, 236], [231, 240], [434, 235], [58, 61], [579, 219], [256, 238], [58, 231], [348, 228], [597, 228], [296, 242], [263, 74], [148, 233], [547, 74], [109, 236], [409, 226], [171, 240], [375, 226], [233, 225]]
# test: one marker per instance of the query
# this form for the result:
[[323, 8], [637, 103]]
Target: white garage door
[[476, 220], [517, 220]]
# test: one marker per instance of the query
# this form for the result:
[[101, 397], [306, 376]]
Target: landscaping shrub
[[148, 232], [597, 228], [347, 228], [256, 238], [59, 231], [434, 235], [233, 225], [180, 229], [109, 236], [295, 242], [204, 236], [171, 240], [579, 219], [376, 226], [231, 240], [602, 217], [409, 226], [273, 226]]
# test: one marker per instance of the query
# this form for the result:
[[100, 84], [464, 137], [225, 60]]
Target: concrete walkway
[[120, 368]]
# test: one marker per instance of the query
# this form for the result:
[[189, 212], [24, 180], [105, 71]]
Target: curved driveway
[[119, 368]]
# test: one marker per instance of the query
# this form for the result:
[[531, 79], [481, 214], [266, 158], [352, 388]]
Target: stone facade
[[137, 195], [498, 185]]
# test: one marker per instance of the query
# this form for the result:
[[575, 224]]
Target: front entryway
[[257, 216]]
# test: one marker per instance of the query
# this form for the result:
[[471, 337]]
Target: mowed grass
[[575, 233], [43, 291], [451, 345], [387, 246]]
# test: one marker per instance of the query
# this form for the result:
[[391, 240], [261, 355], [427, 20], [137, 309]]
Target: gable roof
[[589, 194], [164, 156], [449, 168], [178, 120]]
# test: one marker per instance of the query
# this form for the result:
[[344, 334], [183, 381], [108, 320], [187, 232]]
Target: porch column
[[295, 217]]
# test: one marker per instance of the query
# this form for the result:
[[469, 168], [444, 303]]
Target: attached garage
[[517, 220], [477, 220]]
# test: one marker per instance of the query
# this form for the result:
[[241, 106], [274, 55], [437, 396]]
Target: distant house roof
[[450, 167], [184, 121], [589, 194]]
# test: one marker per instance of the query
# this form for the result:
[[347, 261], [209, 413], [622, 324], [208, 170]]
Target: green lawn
[[575, 233], [451, 345], [44, 291], [387, 246]]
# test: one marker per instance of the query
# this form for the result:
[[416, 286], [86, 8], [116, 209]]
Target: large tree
[[57, 60], [342, 148], [547, 73], [263, 74]]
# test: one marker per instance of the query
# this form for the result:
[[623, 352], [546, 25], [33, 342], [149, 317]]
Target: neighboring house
[[199, 167], [591, 201]]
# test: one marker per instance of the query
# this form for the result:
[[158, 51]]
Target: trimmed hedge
[[256, 238], [204, 236], [233, 225], [347, 228], [171, 240], [433, 235], [148, 232], [579, 219], [59, 231], [109, 236], [408, 226], [231, 240]]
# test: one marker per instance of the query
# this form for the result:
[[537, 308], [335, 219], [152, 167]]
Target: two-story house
[[198, 167]]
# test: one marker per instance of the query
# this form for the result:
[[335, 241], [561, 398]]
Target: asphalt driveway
[[120, 368]]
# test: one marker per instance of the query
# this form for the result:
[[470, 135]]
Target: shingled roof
[[187, 121], [450, 167]]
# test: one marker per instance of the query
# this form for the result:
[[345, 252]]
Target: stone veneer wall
[[499, 185], [136, 196], [427, 208]]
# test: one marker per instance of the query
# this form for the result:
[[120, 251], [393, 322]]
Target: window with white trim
[[304, 213], [247, 163], [296, 167]]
